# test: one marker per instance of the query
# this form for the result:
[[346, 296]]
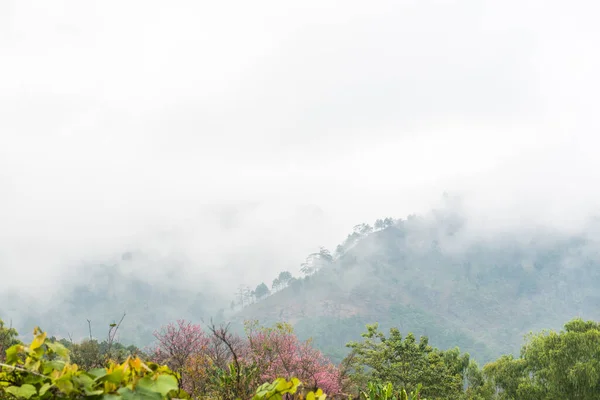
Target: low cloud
[[242, 140]]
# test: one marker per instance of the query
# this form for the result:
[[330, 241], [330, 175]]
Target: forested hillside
[[434, 275]]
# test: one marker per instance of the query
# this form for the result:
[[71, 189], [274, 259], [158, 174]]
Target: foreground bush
[[43, 370]]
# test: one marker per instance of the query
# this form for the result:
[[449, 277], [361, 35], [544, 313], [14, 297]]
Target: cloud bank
[[245, 135]]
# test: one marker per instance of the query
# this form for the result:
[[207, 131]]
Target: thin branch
[[21, 369], [112, 332], [90, 328], [222, 334]]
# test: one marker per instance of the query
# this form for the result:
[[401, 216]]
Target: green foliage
[[261, 291], [291, 389], [378, 391], [407, 363], [43, 370], [552, 365], [233, 382], [277, 389], [8, 338], [87, 354]]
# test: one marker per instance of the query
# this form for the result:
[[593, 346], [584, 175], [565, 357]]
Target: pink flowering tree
[[177, 344], [279, 353]]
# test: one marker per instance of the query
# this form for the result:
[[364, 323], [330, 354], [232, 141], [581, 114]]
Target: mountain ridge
[[422, 275]]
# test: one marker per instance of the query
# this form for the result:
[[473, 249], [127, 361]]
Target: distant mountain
[[434, 276], [103, 292]]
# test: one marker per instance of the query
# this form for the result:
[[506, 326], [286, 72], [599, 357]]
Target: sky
[[245, 135]]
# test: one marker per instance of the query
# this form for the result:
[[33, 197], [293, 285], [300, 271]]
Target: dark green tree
[[553, 365], [261, 291], [407, 363], [8, 338]]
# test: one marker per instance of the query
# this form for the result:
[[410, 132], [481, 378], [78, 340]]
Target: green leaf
[[12, 353], [59, 349], [25, 391], [139, 394], [55, 365], [44, 388], [64, 384], [403, 395], [166, 383], [87, 382], [38, 341], [163, 384], [97, 373], [115, 377], [111, 397]]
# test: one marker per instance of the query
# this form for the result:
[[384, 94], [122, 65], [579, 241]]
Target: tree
[[261, 291], [363, 229], [308, 267], [282, 280], [235, 380], [244, 295], [316, 261], [87, 354], [278, 352], [383, 223], [552, 365], [177, 343], [406, 363], [325, 255], [276, 284], [8, 338]]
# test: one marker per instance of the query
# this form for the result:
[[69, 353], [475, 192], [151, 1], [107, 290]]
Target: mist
[[240, 137]]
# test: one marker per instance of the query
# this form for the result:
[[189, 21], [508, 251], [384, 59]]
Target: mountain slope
[[433, 277]]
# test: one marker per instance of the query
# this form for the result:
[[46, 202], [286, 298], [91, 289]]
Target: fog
[[242, 136]]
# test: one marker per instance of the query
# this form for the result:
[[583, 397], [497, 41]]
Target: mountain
[[103, 292], [435, 276]]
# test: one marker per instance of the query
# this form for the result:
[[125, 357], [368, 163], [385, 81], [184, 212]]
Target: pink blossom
[[279, 353], [177, 343]]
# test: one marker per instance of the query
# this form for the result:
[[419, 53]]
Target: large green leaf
[[139, 394], [45, 387], [25, 391], [163, 384], [97, 373], [59, 349], [12, 353]]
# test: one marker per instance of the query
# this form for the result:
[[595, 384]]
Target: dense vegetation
[[188, 362]]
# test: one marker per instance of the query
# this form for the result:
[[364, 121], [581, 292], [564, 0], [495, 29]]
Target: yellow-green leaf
[[12, 353], [44, 389], [38, 341], [64, 385], [59, 349], [25, 391]]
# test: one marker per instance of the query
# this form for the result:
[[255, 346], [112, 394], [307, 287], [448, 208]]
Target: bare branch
[[90, 328]]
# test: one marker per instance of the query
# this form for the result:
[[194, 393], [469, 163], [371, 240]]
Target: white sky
[[123, 120]]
